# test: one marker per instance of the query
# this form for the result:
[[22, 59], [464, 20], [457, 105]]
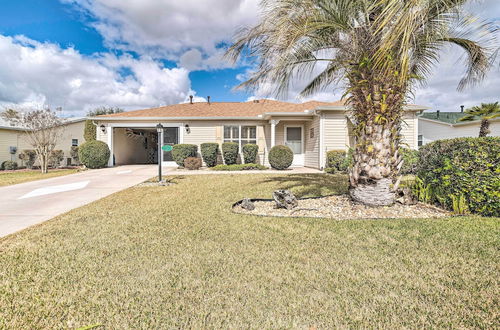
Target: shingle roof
[[445, 117], [224, 109]]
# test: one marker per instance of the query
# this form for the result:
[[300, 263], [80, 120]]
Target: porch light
[[188, 130], [103, 129], [159, 129]]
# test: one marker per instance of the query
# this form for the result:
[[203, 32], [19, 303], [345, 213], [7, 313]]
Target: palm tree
[[379, 50], [485, 112]]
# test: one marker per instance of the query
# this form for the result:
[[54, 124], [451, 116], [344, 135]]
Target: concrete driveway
[[23, 205]]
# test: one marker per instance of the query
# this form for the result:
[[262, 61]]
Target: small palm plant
[[485, 112], [378, 50]]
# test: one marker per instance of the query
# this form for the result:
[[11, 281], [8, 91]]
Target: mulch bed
[[341, 207]]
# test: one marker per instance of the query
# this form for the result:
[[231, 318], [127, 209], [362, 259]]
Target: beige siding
[[335, 134], [408, 130], [8, 138], [200, 132], [312, 143]]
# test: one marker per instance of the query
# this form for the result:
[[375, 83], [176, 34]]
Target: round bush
[[9, 165], [463, 168], [230, 152], [94, 154], [209, 153], [192, 163], [182, 151], [250, 153], [280, 157]]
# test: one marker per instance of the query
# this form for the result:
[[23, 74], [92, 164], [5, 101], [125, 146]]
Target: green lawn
[[177, 257], [8, 178]]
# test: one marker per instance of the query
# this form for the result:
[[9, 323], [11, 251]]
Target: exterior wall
[[432, 131], [409, 130], [335, 131], [312, 143], [17, 139]]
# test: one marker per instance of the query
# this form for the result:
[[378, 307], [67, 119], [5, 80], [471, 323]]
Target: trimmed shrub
[[462, 170], [89, 131], [192, 163], [239, 167], [336, 161], [28, 157], [182, 151], [410, 160], [9, 165], [209, 153], [230, 152], [280, 157], [94, 154], [56, 157], [250, 153]]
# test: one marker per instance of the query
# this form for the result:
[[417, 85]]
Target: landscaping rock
[[405, 196], [284, 199], [247, 204]]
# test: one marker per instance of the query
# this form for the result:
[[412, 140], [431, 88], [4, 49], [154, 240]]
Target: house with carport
[[310, 129]]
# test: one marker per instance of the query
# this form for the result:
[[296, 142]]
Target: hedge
[[410, 161], [280, 157], [250, 153], [209, 153], [89, 131], [8, 165], [230, 152], [94, 154], [239, 167], [56, 157], [465, 169], [28, 156], [182, 151]]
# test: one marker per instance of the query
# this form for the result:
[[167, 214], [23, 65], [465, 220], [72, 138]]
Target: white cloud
[[188, 30], [34, 73]]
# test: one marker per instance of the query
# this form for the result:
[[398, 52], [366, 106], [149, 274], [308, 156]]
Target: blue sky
[[80, 54]]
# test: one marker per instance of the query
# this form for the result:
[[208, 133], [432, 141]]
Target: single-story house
[[309, 129], [13, 140], [439, 125]]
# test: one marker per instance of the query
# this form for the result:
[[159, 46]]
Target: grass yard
[[8, 178], [177, 257]]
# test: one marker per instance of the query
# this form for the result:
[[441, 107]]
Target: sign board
[[166, 147]]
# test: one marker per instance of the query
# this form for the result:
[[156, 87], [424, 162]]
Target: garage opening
[[135, 146]]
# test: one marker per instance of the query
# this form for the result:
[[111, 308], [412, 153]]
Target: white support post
[[109, 132], [273, 122]]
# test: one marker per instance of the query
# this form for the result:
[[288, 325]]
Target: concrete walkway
[[26, 204]]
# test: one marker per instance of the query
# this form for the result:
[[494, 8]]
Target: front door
[[294, 138], [170, 137]]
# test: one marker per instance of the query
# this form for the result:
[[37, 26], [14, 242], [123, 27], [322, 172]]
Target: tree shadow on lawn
[[311, 185]]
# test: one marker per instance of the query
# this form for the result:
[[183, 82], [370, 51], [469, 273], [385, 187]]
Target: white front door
[[170, 136], [294, 138]]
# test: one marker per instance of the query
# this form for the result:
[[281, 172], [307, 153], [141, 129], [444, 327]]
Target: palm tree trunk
[[484, 130], [376, 163]]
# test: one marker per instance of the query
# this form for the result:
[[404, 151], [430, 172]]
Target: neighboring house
[[439, 125], [309, 129], [13, 141]]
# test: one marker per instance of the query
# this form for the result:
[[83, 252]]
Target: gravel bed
[[341, 207]]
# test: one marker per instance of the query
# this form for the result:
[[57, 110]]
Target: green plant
[[239, 167], [28, 156], [459, 204], [74, 154], [336, 161], [192, 163], [280, 157], [89, 131], [182, 151], [250, 153], [9, 165], [94, 154], [209, 152], [230, 152], [421, 190], [410, 161], [55, 158], [463, 166], [485, 113]]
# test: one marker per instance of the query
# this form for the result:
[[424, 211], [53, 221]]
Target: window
[[74, 142], [240, 134], [420, 140]]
